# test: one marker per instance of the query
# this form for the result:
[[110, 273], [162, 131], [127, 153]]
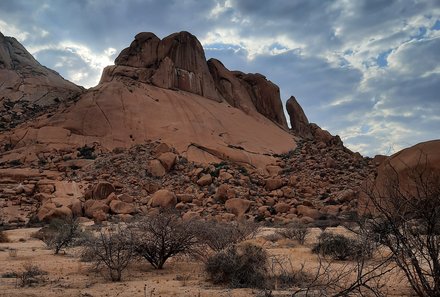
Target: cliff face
[[28, 89], [178, 62], [166, 90]]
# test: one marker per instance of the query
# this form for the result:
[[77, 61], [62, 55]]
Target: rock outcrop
[[28, 89], [161, 90], [298, 119]]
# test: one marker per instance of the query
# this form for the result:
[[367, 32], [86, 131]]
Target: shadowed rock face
[[298, 120], [28, 89]]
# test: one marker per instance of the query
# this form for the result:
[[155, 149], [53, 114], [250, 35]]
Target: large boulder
[[238, 206], [298, 119], [120, 207], [102, 190], [163, 198]]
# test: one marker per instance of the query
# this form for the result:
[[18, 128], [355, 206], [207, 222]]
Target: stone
[[298, 120], [282, 207], [167, 160], [120, 207], [307, 211], [102, 190], [186, 198], [204, 180], [77, 209], [49, 211], [163, 198], [221, 193], [91, 207], [274, 183], [237, 206], [156, 169]]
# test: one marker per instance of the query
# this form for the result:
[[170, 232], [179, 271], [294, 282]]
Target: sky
[[366, 70]]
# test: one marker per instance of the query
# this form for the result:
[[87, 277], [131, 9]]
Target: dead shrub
[[239, 266], [60, 233], [340, 247], [31, 276], [112, 250], [4, 237], [161, 236], [296, 232], [219, 236]]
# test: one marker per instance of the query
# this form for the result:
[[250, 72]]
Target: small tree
[[295, 231], [112, 249], [164, 235], [239, 266], [61, 233], [403, 213], [219, 236]]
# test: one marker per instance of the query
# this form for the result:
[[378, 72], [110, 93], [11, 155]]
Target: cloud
[[367, 70]]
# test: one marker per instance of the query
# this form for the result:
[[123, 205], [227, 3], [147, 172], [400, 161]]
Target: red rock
[[298, 120], [120, 207], [91, 207], [155, 168], [163, 198], [204, 180], [168, 160], [237, 206], [274, 184], [307, 211], [222, 193], [102, 190], [282, 207]]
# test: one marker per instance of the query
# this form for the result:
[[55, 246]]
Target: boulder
[[222, 193], [102, 190], [155, 168], [274, 184], [237, 206], [298, 120], [307, 211], [167, 160], [120, 207], [92, 207], [204, 180], [50, 211], [163, 198], [282, 207]]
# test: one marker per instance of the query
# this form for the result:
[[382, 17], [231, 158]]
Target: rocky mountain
[[166, 128], [28, 89]]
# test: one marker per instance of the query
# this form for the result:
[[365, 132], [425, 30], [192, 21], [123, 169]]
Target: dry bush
[[219, 236], [239, 266], [59, 234], [296, 231], [31, 276], [161, 236], [403, 214], [340, 247], [4, 237], [283, 274], [112, 250]]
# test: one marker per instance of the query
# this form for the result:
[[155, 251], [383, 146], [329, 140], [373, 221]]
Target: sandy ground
[[67, 276]]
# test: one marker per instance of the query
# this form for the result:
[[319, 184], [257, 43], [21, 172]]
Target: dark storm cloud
[[366, 70]]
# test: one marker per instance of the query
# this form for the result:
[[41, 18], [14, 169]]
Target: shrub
[[296, 231], [340, 247], [219, 236], [161, 236], [239, 266], [3, 237], [61, 233], [112, 249], [31, 276]]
